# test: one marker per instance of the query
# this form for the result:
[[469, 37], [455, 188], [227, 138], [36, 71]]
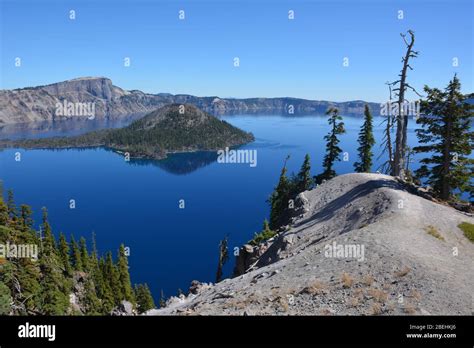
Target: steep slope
[[415, 260], [172, 128], [39, 103], [34, 104]]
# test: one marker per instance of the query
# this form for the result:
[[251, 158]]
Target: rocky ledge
[[361, 244]]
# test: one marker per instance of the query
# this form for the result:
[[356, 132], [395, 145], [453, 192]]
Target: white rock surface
[[405, 269]]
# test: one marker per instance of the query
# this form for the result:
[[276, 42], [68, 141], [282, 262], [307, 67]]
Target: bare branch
[[414, 90]]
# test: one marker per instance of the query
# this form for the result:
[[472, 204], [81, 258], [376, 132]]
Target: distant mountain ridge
[[38, 103]]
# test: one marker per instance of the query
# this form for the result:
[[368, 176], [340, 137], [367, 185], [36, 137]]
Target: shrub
[[432, 231], [347, 280], [468, 230], [264, 235]]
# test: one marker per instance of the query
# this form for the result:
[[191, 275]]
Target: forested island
[[169, 129]]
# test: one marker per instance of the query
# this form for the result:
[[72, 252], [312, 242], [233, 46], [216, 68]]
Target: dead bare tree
[[386, 145], [399, 155]]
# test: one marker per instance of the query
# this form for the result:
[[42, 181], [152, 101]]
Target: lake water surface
[[137, 202]]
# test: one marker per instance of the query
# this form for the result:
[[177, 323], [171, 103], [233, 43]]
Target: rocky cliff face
[[39, 103], [362, 244], [99, 87]]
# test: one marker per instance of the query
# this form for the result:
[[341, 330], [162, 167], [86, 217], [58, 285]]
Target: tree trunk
[[398, 168], [445, 187]]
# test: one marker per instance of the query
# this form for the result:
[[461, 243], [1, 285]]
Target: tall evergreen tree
[[333, 151], [76, 255], [43, 285], [223, 257], [113, 279], [12, 210], [85, 261], [103, 292], [447, 135], [105, 288], [20, 275], [3, 212], [144, 298], [26, 221], [48, 242], [5, 299], [63, 250], [304, 181], [279, 199], [91, 302], [55, 299], [124, 275], [366, 141]]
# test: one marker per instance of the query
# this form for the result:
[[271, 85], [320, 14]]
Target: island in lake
[[170, 129]]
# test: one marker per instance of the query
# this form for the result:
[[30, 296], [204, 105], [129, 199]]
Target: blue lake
[[137, 202]]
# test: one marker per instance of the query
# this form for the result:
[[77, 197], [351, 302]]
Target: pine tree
[[63, 249], [91, 302], [266, 226], [11, 210], [105, 289], [144, 298], [42, 287], [112, 277], [446, 134], [366, 141], [279, 199], [26, 221], [223, 257], [76, 255], [54, 288], [96, 274], [5, 299], [304, 181], [49, 242], [265, 234], [124, 275], [333, 151], [20, 275], [3, 212], [29, 277], [85, 261]]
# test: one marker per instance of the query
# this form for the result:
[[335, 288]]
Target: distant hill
[[172, 128], [39, 103]]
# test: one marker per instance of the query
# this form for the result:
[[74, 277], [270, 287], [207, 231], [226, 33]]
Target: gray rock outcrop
[[363, 245]]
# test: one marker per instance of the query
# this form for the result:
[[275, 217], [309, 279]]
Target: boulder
[[125, 308]]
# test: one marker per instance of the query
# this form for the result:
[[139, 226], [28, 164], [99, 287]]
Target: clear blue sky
[[279, 57]]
